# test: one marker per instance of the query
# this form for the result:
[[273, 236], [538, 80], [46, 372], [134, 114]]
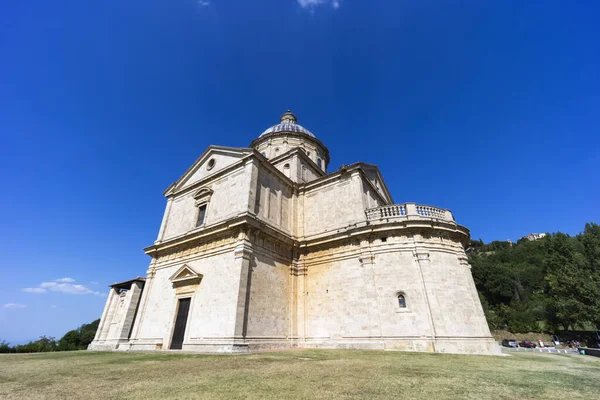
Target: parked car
[[528, 344], [556, 340], [509, 343]]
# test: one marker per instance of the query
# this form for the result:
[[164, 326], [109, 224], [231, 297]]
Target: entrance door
[[180, 322]]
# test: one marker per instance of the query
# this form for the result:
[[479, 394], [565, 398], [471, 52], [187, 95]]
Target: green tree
[[590, 239], [4, 347], [80, 338], [568, 287], [70, 341], [553, 282]]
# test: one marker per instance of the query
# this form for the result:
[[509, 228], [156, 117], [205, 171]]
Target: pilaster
[[367, 261], [107, 315], [243, 255], [165, 220], [131, 304], [137, 323], [422, 260], [298, 272]]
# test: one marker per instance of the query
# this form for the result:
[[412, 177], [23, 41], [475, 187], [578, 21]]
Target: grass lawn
[[307, 374]]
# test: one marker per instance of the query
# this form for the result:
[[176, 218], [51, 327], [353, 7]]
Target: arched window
[[319, 163], [401, 300]]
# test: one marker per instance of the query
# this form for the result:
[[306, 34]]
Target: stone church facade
[[262, 248]]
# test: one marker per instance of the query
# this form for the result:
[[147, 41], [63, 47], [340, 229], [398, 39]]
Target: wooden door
[[180, 323]]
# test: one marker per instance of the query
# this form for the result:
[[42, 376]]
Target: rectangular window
[[201, 215]]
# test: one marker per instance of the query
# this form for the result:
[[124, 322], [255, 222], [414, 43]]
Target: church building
[[263, 248]]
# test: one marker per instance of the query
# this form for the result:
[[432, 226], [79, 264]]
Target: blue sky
[[490, 109]]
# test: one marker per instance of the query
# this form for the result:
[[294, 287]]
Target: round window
[[211, 164]]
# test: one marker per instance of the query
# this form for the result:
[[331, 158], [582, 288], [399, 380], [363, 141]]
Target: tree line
[[76, 339], [548, 284]]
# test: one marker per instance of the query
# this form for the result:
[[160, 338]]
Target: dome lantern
[[288, 118]]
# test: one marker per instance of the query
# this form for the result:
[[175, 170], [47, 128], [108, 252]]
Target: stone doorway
[[183, 309]]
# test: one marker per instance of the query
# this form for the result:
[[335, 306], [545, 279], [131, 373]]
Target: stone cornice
[[231, 150], [412, 225], [254, 155], [250, 222], [232, 226]]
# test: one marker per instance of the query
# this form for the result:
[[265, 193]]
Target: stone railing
[[396, 210], [408, 210]]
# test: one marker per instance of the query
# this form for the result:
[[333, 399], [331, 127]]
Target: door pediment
[[185, 275]]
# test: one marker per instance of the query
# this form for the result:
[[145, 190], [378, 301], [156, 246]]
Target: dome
[[287, 124]]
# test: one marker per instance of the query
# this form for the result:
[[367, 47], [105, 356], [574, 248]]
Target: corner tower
[[280, 140]]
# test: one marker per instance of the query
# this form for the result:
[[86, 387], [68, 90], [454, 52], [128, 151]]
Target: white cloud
[[67, 280], [62, 285], [69, 288], [94, 282], [13, 305], [311, 4], [34, 290], [203, 3]]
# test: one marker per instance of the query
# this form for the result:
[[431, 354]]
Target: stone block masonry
[[262, 248]]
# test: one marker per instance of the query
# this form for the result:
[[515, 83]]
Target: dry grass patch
[[310, 374]]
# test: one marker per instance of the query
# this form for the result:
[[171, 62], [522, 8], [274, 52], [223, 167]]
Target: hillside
[[544, 285]]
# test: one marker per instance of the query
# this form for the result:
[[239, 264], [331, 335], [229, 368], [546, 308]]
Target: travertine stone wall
[[213, 307], [396, 272], [334, 205], [351, 298], [273, 201], [268, 307], [226, 201], [370, 199]]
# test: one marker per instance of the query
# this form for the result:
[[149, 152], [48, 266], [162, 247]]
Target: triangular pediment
[[185, 273], [374, 177], [213, 160]]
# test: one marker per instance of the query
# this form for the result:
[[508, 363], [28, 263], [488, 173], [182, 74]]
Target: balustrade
[[408, 210], [396, 210]]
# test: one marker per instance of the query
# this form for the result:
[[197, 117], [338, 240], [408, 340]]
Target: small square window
[[201, 215]]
